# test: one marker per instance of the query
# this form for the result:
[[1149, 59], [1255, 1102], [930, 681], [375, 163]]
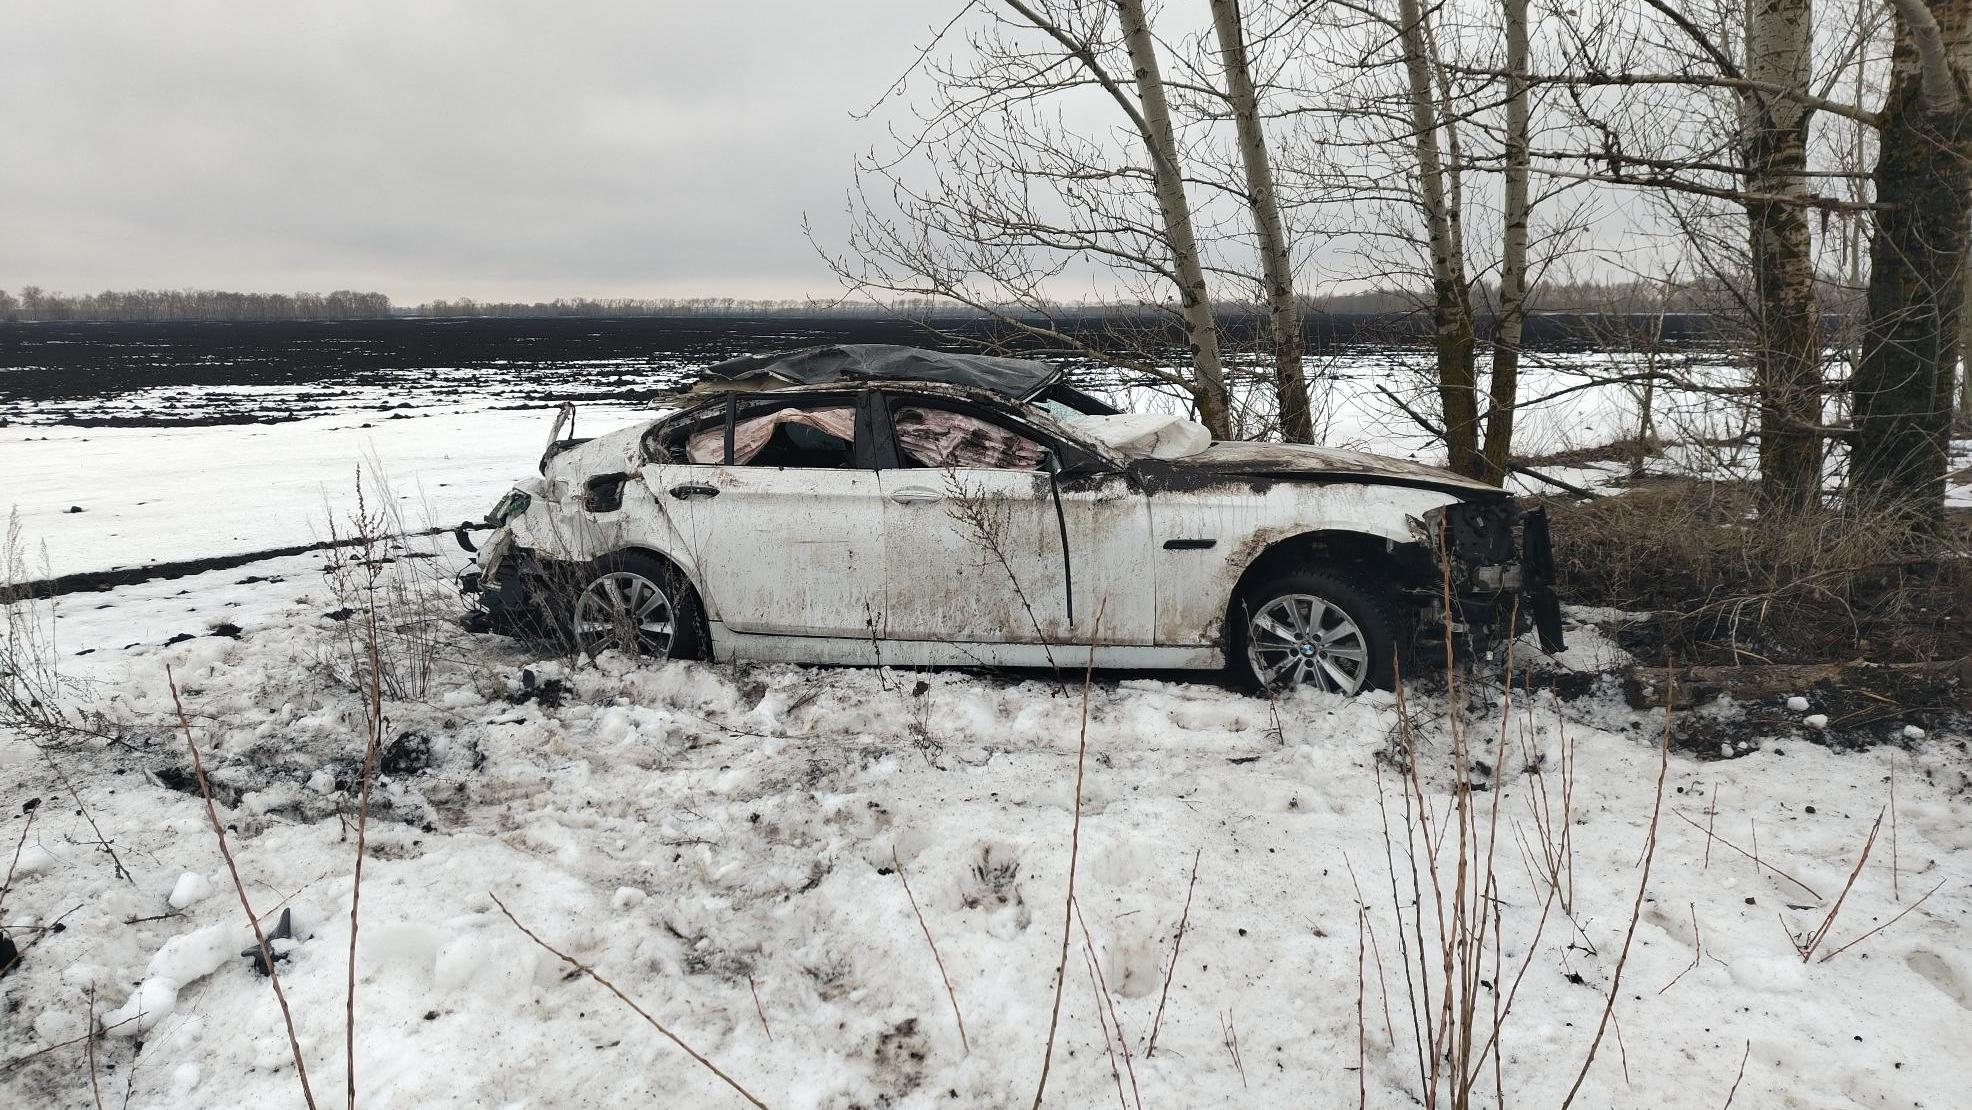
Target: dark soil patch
[[409, 754], [548, 693]]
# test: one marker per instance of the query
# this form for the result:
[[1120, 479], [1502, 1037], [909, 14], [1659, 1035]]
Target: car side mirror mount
[[1050, 462]]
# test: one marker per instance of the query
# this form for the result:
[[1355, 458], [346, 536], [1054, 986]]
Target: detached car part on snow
[[869, 504]]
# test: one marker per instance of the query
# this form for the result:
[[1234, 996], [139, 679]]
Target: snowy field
[[723, 844], [178, 490]]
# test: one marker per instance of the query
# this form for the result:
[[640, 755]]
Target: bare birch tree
[[1270, 230], [1013, 193], [1152, 118], [1787, 356], [1504, 386]]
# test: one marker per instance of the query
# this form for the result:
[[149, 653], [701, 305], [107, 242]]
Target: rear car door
[[778, 499], [973, 544]]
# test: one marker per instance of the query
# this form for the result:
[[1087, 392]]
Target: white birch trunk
[[1779, 53], [1276, 262], [1193, 296], [1451, 312], [1504, 391]]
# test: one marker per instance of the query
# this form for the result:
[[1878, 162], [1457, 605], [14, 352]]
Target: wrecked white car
[[871, 504]]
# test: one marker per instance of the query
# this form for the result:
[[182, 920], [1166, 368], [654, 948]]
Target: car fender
[[560, 527], [1246, 519]]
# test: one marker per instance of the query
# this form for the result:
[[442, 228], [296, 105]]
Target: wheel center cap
[[1307, 649]]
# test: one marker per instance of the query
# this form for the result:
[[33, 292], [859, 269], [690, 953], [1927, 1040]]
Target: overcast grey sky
[[428, 148]]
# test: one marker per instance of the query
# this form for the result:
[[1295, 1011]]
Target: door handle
[[686, 493], [916, 495]]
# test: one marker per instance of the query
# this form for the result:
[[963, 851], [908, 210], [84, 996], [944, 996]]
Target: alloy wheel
[[625, 611], [1300, 638]]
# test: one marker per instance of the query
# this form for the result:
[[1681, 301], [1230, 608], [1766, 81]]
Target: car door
[[973, 542], [780, 505]]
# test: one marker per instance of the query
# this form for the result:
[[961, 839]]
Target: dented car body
[[872, 519]]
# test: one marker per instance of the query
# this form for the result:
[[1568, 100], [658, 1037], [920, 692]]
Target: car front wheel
[[1324, 628], [638, 605]]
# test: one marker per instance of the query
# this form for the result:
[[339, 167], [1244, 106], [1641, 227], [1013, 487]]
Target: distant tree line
[[1587, 297], [663, 306], [34, 303]]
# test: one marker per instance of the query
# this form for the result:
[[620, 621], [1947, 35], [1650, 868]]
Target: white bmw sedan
[[869, 504]]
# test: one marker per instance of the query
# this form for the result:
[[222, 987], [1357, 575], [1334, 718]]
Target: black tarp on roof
[[1018, 378]]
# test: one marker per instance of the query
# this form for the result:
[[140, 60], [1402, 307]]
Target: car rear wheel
[[1320, 627], [639, 605]]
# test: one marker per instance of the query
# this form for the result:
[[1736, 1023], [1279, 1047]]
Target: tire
[[1330, 627], [639, 604]]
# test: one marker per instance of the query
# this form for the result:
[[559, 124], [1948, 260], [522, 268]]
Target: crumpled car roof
[[1020, 379]]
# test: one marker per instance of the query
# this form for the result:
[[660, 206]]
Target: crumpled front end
[[1496, 565], [504, 586]]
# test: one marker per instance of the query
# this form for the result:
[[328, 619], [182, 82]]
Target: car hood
[[1302, 462], [619, 451]]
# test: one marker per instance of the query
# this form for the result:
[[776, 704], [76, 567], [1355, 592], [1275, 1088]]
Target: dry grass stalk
[[1753, 832], [1899, 917], [33, 689], [1074, 851], [95, 1081], [1636, 909], [1697, 952], [984, 519], [1737, 1076], [1711, 816], [382, 567], [1896, 886], [754, 988], [935, 957], [1375, 949], [372, 742], [1807, 947], [1556, 830], [1758, 863], [1105, 999], [1102, 1022], [1177, 943], [239, 888], [1362, 1030], [15, 1062], [1229, 1033], [1455, 977], [597, 976]]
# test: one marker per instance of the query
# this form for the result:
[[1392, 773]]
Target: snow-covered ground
[[718, 841], [165, 494]]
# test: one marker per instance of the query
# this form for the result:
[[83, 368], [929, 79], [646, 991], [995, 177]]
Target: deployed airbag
[[708, 446], [1147, 435]]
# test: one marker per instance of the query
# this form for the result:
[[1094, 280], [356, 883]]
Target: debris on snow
[[191, 887]]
